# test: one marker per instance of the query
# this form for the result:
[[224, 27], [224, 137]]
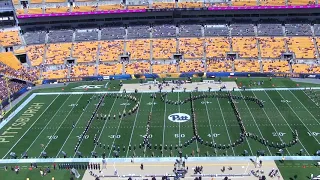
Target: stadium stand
[[9, 59], [86, 35], [242, 29], [271, 47], [57, 72], [217, 47], [35, 37], [8, 88], [109, 69], [110, 33], [111, 50], [82, 70], [246, 66], [303, 47], [244, 2], [270, 30], [298, 30], [57, 53], [192, 66], [272, 2], [190, 4], [163, 5], [35, 54], [137, 68], [216, 30], [163, 48], [190, 30], [9, 38], [245, 46], [60, 36], [138, 49], [157, 67], [85, 51], [301, 2], [165, 30], [275, 66], [135, 32], [191, 47], [217, 65]]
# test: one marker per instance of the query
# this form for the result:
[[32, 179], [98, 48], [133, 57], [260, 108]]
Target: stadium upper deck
[[64, 6]]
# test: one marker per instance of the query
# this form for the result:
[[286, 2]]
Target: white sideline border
[[159, 159], [16, 111], [152, 91]]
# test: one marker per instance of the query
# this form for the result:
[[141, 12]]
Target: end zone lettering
[[20, 122]]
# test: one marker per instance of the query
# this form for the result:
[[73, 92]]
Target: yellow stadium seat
[[163, 48], [55, 74], [110, 69], [191, 66], [9, 38], [83, 70], [111, 50], [191, 47], [137, 7], [301, 2], [272, 2], [139, 49], [219, 66], [57, 53], [111, 7], [163, 5], [245, 46], [190, 4], [57, 10], [10, 60], [275, 66], [217, 47], [272, 47], [35, 1], [85, 51], [164, 68], [244, 2], [84, 9], [137, 68], [303, 47], [246, 66], [35, 11], [35, 54]]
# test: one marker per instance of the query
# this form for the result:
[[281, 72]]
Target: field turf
[[50, 129]]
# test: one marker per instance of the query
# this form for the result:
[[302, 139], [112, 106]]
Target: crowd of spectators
[[7, 88]]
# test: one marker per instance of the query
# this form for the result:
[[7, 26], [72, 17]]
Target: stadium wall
[[180, 75]]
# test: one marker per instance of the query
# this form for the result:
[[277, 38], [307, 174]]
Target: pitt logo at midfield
[[179, 117], [20, 122]]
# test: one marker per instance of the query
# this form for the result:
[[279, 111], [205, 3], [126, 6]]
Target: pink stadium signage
[[144, 10]]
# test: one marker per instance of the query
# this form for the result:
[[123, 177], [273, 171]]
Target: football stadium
[[159, 89]]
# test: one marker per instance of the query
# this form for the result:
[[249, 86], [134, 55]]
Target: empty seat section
[[137, 68], [242, 30], [138, 49], [190, 4], [35, 11], [245, 46], [301, 68], [190, 31], [108, 7], [86, 35], [55, 74], [109, 69], [163, 48], [138, 7], [111, 50], [35, 54], [163, 5], [246, 66], [164, 30], [191, 47], [316, 29], [57, 10], [83, 70], [217, 47], [191, 66], [303, 47], [110, 33], [57, 53], [275, 66], [9, 59], [20, 12], [272, 47], [301, 2], [60, 36], [270, 30], [216, 30], [36, 1], [298, 30], [135, 32], [244, 2], [272, 2], [84, 8], [164, 68], [35, 37], [85, 51], [9, 38], [219, 66]]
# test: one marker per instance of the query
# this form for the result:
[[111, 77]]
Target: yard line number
[[179, 135], [213, 135], [115, 136], [84, 137], [313, 133], [125, 104], [52, 137], [149, 136], [280, 134], [285, 101], [73, 105]]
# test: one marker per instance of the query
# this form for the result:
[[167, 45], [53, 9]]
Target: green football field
[[46, 124]]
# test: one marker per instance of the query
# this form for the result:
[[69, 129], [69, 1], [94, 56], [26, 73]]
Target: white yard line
[[255, 122], [285, 120], [134, 124], [234, 154], [114, 139], [215, 150], [179, 122], [72, 129], [299, 118], [273, 126], [30, 127], [305, 108], [60, 125], [310, 98], [44, 128], [145, 147], [164, 124], [196, 140], [104, 125]]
